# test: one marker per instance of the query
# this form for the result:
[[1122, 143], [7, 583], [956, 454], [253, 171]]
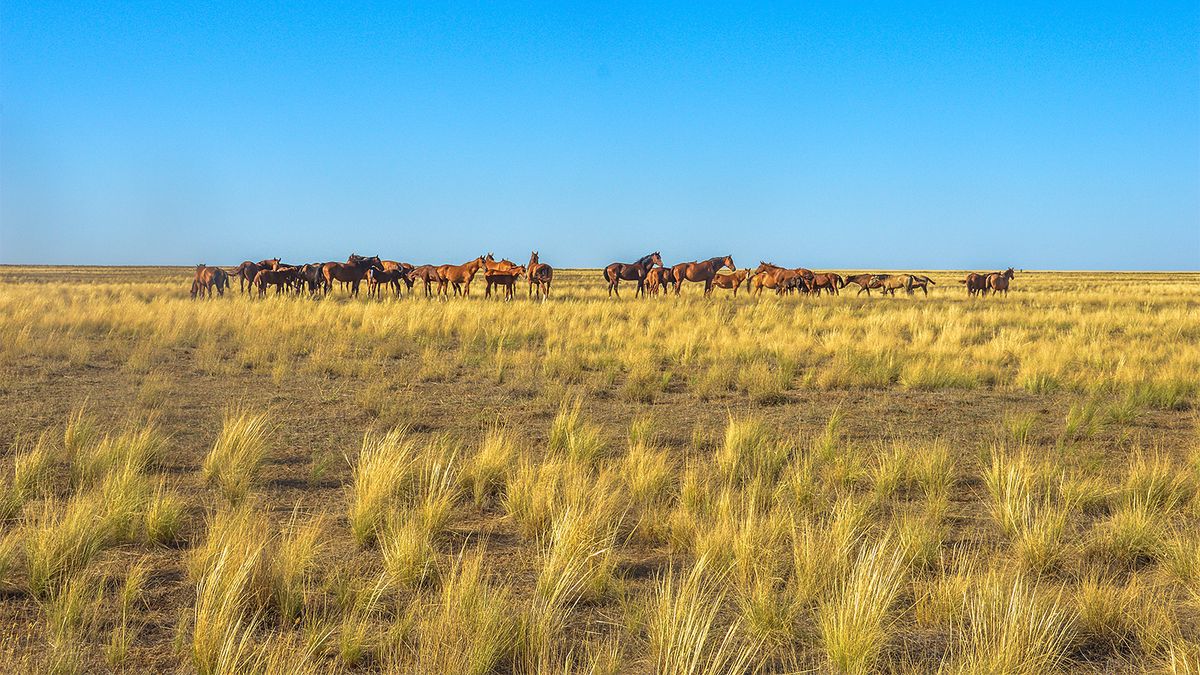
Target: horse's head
[[1008, 273], [656, 259], [763, 266], [728, 262]]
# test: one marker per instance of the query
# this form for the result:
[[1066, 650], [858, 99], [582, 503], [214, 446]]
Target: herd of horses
[[649, 274]]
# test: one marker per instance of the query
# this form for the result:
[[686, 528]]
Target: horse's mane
[[645, 259]]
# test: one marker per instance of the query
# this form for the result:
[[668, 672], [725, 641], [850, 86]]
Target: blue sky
[[889, 135]]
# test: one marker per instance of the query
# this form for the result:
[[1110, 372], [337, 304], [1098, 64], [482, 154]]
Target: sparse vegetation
[[848, 485]]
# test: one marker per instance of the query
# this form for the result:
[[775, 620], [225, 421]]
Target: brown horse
[[428, 274], [378, 277], [889, 283], [490, 266], [659, 277], [403, 269], [281, 278], [353, 271], [540, 274], [635, 271], [207, 278], [733, 280], [505, 278], [830, 282], [460, 276], [976, 283], [997, 282], [865, 282], [922, 282], [770, 275], [701, 272], [248, 270]]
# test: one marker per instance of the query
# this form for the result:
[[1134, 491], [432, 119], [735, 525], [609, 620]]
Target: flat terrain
[[841, 483]]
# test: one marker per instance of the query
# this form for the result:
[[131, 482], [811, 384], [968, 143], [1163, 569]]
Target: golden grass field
[[670, 485]]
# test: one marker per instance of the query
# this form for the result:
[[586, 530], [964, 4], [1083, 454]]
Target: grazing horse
[[280, 277], [540, 274], [865, 282], [460, 276], [636, 271], [403, 268], [354, 270], [997, 282], [770, 275], [830, 282], [733, 280], [976, 283], [658, 277], [505, 278], [428, 274], [701, 272], [248, 270], [208, 278]]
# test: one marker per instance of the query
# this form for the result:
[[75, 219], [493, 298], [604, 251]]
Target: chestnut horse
[[428, 274], [733, 280], [770, 275], [280, 277], [865, 282], [490, 266], [540, 274], [997, 282], [829, 282], [976, 283], [922, 282], [658, 277], [208, 278], [701, 272], [248, 270], [636, 271], [460, 276], [404, 270], [353, 271]]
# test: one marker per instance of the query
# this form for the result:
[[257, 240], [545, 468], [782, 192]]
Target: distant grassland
[[671, 485]]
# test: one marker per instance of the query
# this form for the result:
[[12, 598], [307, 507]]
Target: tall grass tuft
[[237, 455], [1012, 627], [684, 635], [383, 469], [854, 622]]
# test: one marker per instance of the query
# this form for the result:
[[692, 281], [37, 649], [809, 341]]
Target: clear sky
[[844, 135]]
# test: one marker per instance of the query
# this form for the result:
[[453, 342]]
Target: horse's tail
[[962, 281], [606, 277], [928, 280]]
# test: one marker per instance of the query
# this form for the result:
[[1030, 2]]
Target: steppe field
[[591, 485]]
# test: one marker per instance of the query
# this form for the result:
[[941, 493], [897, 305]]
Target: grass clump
[[237, 455]]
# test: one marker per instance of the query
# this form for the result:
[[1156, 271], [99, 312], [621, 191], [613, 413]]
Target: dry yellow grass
[[839, 484]]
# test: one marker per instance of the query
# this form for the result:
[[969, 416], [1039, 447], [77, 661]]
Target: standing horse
[[658, 277], [248, 270], [997, 282], [865, 282], [428, 274], [540, 274], [280, 277], [505, 278], [460, 276], [770, 275], [490, 267], [401, 271], [733, 280], [208, 278], [830, 282], [636, 271], [922, 282], [976, 283], [701, 272], [353, 271]]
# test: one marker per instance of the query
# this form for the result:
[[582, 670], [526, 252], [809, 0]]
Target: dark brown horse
[[404, 269], [540, 274], [207, 278], [636, 271], [490, 267], [429, 275], [922, 282], [505, 278], [248, 270], [997, 282], [830, 282], [659, 277], [460, 276], [733, 280], [379, 277], [352, 271], [701, 272]]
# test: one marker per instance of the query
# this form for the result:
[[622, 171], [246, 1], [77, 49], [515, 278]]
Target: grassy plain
[[676, 485]]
